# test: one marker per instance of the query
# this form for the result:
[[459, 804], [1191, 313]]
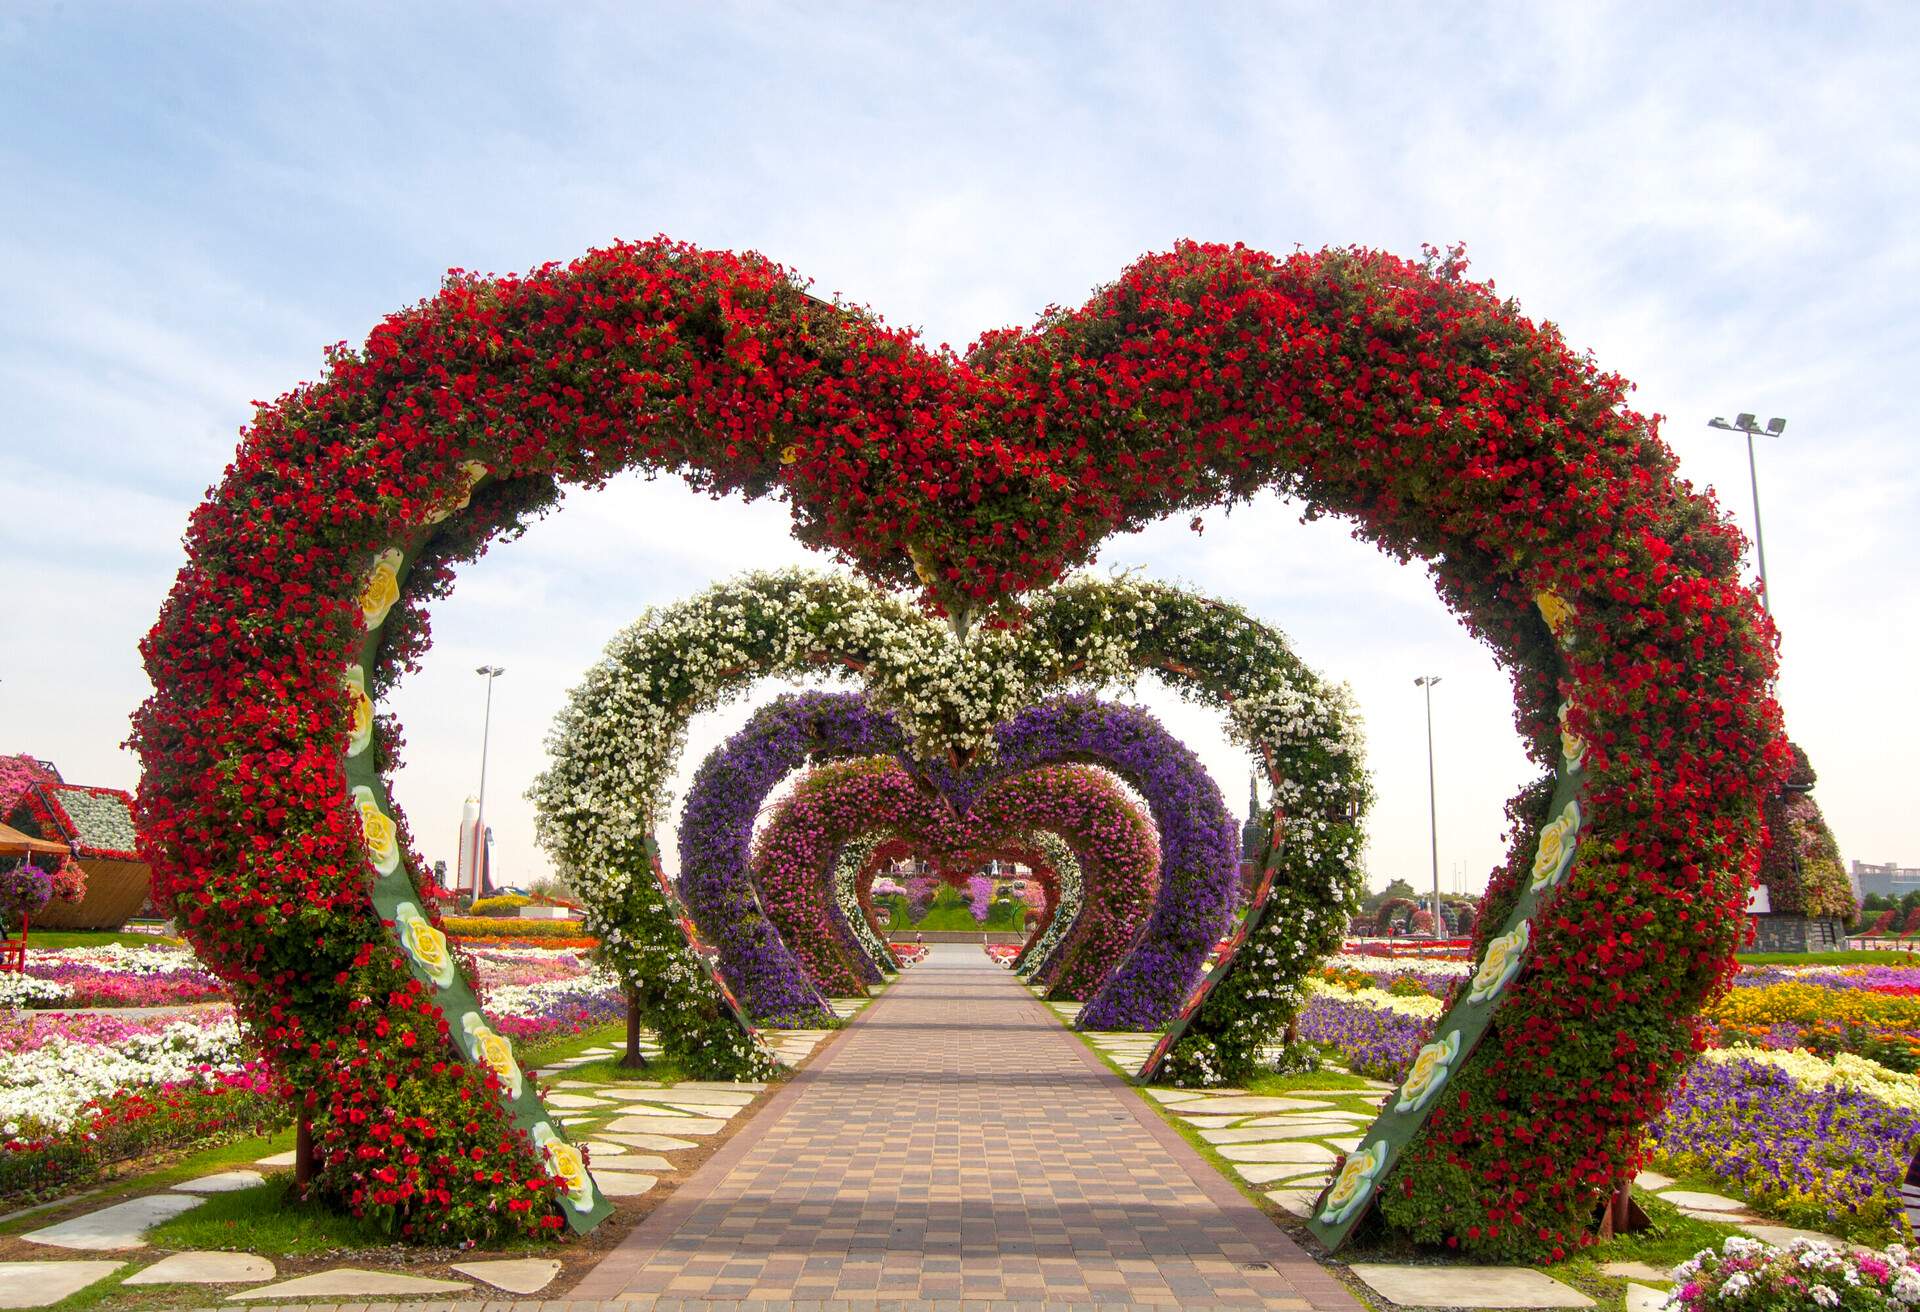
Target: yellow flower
[[425, 944], [1431, 1066], [1505, 955], [1572, 746], [564, 1160], [382, 835], [361, 724], [494, 1051], [1354, 1184], [789, 454], [1555, 852], [1554, 609], [471, 473], [382, 587]]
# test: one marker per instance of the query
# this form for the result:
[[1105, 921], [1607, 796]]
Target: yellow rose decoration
[[471, 473], [1555, 853], [1431, 1066], [361, 734], [789, 454], [1554, 609], [382, 835], [382, 587], [564, 1160], [425, 944], [1354, 1183], [493, 1051], [1505, 955], [1572, 746]]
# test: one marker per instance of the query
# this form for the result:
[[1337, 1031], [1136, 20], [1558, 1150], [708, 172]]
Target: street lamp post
[[490, 672], [1746, 423], [1427, 681]]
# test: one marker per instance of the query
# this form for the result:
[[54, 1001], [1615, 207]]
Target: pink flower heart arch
[[1434, 416], [838, 803]]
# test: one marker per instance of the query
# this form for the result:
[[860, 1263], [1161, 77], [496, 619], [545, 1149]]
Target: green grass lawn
[[94, 938]]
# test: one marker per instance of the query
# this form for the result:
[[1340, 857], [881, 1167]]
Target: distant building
[[1886, 879]]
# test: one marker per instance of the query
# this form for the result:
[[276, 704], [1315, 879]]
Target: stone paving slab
[[41, 1284], [1477, 1287], [956, 1144], [527, 1275], [351, 1282], [205, 1269], [121, 1226], [223, 1182]]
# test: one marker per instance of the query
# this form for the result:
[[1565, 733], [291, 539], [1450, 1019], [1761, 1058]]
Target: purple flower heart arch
[[1434, 415], [795, 854], [1198, 844]]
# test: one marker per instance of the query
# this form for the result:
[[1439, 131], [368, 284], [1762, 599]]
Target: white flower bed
[[117, 957], [1390, 965], [26, 991], [1862, 1073], [43, 1090], [1424, 1007]]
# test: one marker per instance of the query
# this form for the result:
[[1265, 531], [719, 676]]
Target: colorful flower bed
[[120, 976], [1815, 1140], [79, 1092], [1749, 1276], [1829, 1157]]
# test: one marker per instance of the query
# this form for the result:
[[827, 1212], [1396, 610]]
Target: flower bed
[[1829, 1157], [1749, 1276], [118, 976], [1371, 1040]]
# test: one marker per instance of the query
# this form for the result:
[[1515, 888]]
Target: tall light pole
[[1427, 681], [1746, 423], [491, 672]]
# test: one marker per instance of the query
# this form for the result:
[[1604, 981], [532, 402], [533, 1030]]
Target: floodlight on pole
[[1746, 423], [1427, 681]]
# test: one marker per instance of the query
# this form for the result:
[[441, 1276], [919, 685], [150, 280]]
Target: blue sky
[[1718, 201]]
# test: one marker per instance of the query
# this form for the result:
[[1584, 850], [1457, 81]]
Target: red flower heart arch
[[1420, 406]]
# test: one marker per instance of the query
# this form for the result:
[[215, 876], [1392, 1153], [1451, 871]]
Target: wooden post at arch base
[[634, 1060], [302, 1151]]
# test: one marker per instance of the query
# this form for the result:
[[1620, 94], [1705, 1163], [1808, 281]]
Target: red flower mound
[[1433, 415]]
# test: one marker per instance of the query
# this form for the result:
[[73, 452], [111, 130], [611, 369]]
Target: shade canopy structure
[[15, 843]]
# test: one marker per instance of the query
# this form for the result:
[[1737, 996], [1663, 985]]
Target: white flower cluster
[[846, 895], [26, 991], [1066, 869], [1897, 1088], [1420, 1005], [43, 1090], [159, 959], [527, 1000]]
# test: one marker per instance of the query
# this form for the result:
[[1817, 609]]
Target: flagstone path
[[957, 1143]]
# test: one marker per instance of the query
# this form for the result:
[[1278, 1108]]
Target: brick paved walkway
[[958, 1144]]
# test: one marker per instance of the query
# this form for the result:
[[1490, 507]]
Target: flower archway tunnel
[[794, 854], [1435, 417]]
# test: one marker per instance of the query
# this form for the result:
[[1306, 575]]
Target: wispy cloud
[[1716, 202]]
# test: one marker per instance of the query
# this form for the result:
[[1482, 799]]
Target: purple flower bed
[[1371, 1040], [1830, 1157]]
